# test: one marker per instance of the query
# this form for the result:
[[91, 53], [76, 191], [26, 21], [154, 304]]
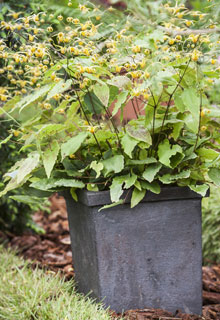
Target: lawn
[[27, 294]]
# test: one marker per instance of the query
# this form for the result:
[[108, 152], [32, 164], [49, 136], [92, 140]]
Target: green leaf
[[137, 196], [137, 185], [59, 87], [191, 123], [27, 166], [141, 162], [50, 184], [138, 132], [111, 205], [92, 187], [114, 164], [73, 194], [6, 140], [166, 151], [153, 186], [10, 104], [13, 184], [200, 189], [73, 144], [177, 127], [122, 82], [102, 92], [50, 157], [151, 171], [116, 188], [207, 154], [214, 175], [149, 114], [192, 103], [128, 144], [113, 94], [97, 167], [130, 181], [27, 100], [93, 104], [121, 98], [170, 178], [179, 102], [50, 129]]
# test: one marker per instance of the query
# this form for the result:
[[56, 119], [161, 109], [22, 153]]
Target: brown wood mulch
[[52, 251]]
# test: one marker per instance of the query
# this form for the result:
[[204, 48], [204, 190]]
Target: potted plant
[[71, 96]]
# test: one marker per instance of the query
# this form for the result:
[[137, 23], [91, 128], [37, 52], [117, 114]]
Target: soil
[[52, 251]]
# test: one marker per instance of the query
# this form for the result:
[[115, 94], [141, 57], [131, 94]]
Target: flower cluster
[[74, 82]]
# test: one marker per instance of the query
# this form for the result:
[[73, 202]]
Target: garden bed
[[52, 251]]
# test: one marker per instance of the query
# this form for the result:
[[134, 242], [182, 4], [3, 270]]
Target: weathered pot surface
[[148, 256]]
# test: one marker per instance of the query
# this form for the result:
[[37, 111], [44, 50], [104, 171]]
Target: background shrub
[[211, 227], [15, 216]]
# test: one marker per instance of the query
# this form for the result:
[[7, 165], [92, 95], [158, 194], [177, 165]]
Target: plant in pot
[[122, 123]]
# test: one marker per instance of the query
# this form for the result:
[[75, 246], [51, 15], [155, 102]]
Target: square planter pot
[[146, 257]]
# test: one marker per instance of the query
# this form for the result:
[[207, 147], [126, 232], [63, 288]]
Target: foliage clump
[[70, 89], [211, 227]]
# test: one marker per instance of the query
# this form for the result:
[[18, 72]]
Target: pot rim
[[100, 198]]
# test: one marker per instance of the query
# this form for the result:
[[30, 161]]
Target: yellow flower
[[194, 38], [203, 128], [31, 38], [147, 74], [60, 18], [81, 69], [16, 133], [56, 96], [147, 52], [195, 55], [136, 49], [72, 156], [118, 68], [98, 18], [179, 37], [91, 129], [15, 15], [171, 41], [50, 29], [69, 19], [202, 113], [188, 23], [213, 61], [142, 63], [135, 74], [179, 15], [146, 96]]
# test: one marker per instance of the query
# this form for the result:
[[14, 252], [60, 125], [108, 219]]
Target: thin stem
[[93, 107], [137, 104], [170, 100], [87, 119], [135, 111], [200, 109]]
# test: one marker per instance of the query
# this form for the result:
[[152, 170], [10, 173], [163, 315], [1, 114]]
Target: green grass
[[27, 294]]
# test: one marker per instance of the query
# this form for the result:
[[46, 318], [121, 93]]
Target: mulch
[[52, 251]]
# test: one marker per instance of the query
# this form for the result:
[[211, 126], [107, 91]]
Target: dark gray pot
[[148, 256]]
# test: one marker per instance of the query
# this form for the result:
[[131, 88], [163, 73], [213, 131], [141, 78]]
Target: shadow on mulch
[[52, 251]]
